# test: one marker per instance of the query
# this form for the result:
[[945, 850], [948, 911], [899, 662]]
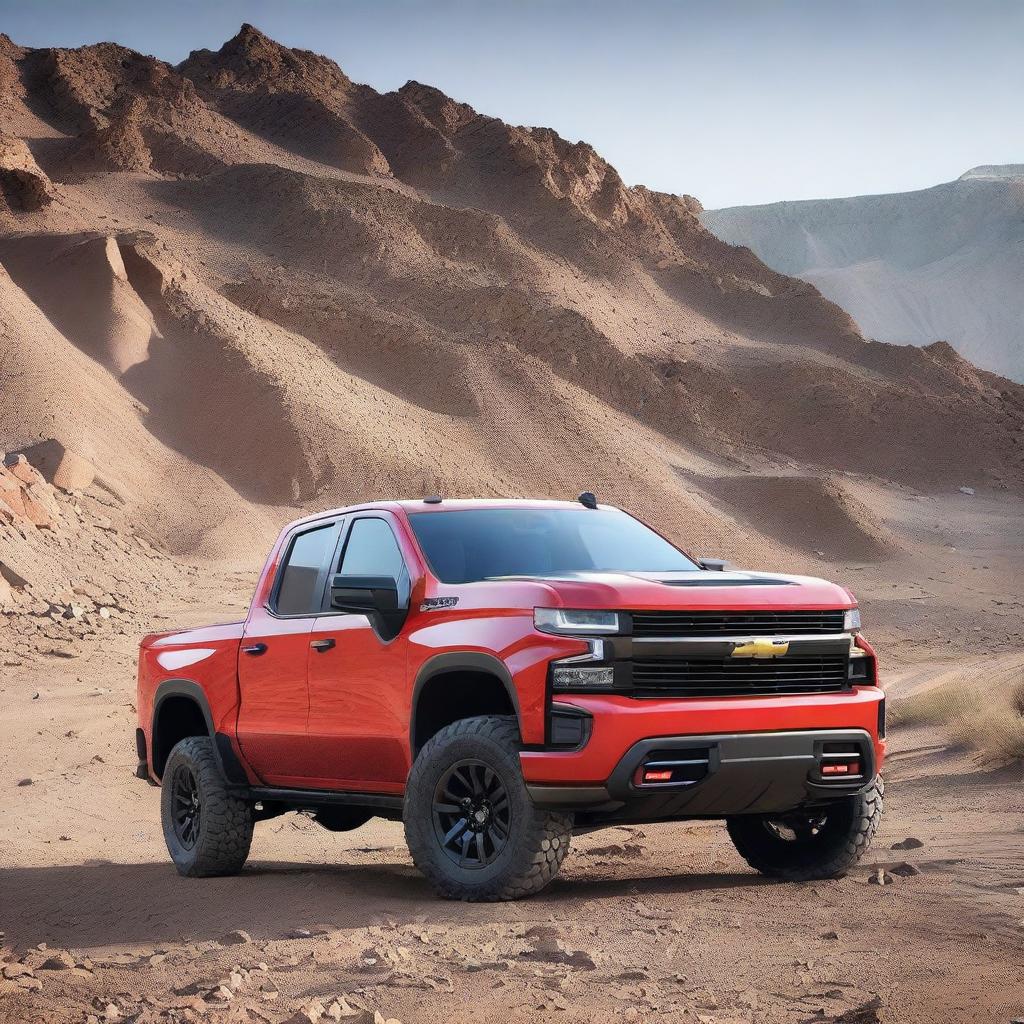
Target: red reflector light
[[850, 768], [658, 776]]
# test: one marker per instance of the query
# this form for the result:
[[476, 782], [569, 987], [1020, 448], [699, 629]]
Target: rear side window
[[299, 593], [372, 550]]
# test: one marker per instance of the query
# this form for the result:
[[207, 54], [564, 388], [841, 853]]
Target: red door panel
[[358, 727], [272, 662], [275, 697], [358, 708]]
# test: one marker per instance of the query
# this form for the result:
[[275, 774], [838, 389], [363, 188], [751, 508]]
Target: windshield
[[477, 544]]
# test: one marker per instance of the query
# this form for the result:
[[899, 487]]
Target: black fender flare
[[231, 768], [461, 661]]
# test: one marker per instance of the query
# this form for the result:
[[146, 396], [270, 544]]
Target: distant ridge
[[993, 172], [911, 268]]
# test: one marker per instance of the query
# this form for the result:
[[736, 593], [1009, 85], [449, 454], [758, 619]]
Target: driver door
[[358, 701]]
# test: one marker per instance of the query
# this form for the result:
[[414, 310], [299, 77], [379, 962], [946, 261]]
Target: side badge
[[435, 604]]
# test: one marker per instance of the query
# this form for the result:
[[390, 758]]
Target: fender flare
[[230, 766], [461, 661]]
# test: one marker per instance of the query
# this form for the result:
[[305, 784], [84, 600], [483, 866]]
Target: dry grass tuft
[[938, 706], [991, 722]]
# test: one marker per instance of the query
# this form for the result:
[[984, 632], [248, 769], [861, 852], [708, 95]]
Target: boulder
[[60, 466]]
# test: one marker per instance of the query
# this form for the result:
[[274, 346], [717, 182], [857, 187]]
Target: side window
[[298, 593], [372, 550]]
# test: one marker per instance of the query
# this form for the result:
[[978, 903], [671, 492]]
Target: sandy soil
[[653, 923]]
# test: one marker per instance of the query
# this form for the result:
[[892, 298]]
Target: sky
[[732, 101]]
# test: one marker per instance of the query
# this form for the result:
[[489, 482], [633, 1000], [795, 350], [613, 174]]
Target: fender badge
[[760, 647], [435, 604]]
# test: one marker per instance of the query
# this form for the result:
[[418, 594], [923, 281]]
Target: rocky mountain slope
[[911, 268], [248, 286]]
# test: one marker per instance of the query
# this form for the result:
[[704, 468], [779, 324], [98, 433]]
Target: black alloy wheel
[[186, 806], [472, 813]]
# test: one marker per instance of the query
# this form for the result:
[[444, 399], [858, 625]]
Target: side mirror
[[714, 564], [376, 597]]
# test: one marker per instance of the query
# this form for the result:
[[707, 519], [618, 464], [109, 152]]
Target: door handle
[[322, 645], [254, 649]]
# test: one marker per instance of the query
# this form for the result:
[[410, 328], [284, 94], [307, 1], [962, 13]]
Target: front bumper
[[763, 753], [733, 773]]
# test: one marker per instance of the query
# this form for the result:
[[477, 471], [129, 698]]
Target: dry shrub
[[1017, 698], [997, 731], [938, 706], [991, 722]]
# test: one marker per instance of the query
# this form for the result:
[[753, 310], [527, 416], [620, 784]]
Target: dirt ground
[[655, 923]]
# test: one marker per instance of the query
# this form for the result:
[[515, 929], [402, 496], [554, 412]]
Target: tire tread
[[546, 837], [226, 834]]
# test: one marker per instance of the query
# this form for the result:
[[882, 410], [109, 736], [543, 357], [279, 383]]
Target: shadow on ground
[[105, 904]]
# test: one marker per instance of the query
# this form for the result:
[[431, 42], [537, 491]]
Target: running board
[[311, 798]]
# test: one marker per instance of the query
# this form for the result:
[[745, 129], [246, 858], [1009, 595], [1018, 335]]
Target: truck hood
[[700, 588]]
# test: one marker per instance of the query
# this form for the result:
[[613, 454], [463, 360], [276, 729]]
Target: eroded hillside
[[248, 285]]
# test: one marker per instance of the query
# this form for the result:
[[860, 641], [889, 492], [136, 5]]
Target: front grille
[[783, 623], [692, 677]]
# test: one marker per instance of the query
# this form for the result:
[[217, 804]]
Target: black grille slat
[[716, 623], [703, 678]]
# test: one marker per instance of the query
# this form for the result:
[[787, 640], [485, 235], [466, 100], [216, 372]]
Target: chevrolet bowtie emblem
[[760, 647]]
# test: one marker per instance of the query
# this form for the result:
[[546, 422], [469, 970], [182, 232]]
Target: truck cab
[[501, 673]]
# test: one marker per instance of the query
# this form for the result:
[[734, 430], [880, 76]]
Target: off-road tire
[[537, 842], [225, 823], [842, 840]]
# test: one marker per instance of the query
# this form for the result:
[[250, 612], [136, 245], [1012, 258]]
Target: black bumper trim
[[748, 773]]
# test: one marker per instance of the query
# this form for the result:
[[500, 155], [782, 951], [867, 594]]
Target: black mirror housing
[[364, 593], [376, 597]]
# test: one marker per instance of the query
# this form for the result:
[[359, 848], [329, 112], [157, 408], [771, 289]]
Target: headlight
[[851, 620], [567, 620]]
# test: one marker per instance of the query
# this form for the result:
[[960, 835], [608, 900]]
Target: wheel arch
[[433, 702], [181, 709]]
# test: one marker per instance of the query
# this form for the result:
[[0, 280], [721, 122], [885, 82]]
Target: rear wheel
[[207, 830], [803, 845], [470, 824]]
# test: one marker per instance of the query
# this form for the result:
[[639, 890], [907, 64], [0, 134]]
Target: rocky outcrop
[[26, 499], [23, 185]]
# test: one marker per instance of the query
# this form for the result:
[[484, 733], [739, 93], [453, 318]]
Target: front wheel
[[471, 826], [207, 829], [804, 845]]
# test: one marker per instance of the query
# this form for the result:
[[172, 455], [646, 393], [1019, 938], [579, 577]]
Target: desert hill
[[248, 286], [911, 268]]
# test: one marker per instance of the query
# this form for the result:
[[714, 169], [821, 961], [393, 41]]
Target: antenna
[[588, 499]]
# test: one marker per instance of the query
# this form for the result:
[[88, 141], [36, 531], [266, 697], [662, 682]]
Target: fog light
[[579, 677], [657, 776]]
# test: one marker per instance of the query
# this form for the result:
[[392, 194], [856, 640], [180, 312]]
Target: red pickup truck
[[500, 674]]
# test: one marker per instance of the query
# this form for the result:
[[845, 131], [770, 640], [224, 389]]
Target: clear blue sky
[[733, 101]]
